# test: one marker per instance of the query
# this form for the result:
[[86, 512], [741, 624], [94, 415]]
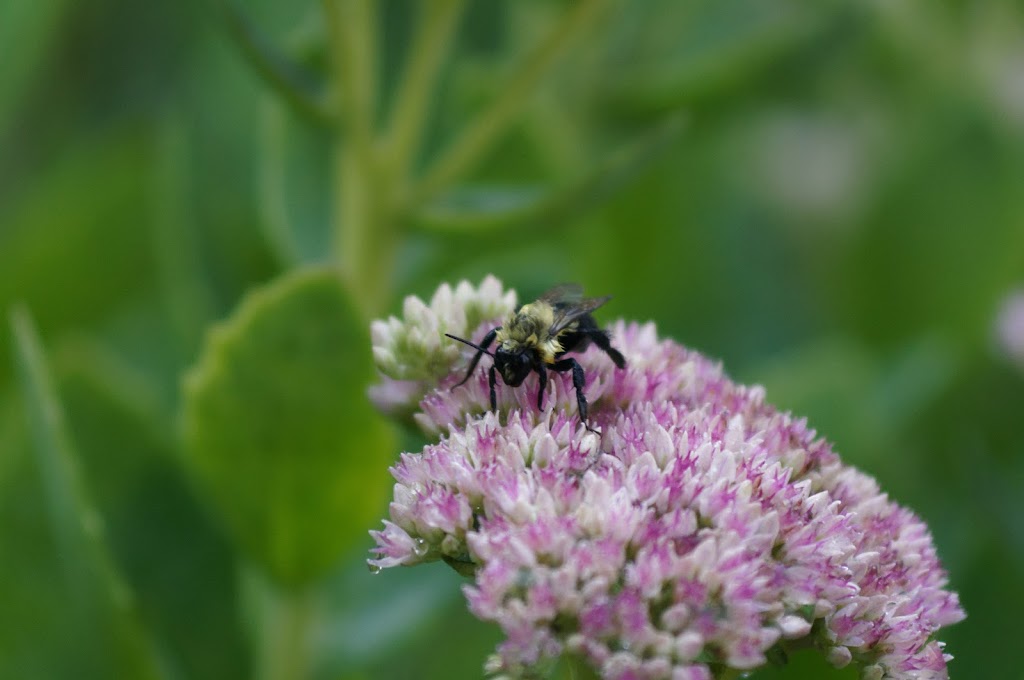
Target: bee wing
[[569, 304], [565, 294]]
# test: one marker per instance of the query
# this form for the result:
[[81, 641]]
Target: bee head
[[513, 366]]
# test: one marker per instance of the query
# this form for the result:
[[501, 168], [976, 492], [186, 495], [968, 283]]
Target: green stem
[[479, 136], [410, 110], [364, 240], [352, 29], [286, 629]]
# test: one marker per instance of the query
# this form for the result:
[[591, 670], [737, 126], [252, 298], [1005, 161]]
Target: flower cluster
[[412, 353], [703, 530]]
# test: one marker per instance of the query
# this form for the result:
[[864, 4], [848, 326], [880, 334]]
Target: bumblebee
[[536, 338]]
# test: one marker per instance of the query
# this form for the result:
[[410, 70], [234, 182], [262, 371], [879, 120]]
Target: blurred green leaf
[[476, 209], [858, 401], [913, 380], [115, 401], [286, 77], [830, 382], [161, 539], [29, 25], [295, 185], [279, 433], [91, 577], [707, 48], [451, 644], [944, 241], [71, 247], [366, 616], [184, 284], [12, 433]]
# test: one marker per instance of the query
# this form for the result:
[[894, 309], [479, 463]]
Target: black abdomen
[[578, 339], [584, 331]]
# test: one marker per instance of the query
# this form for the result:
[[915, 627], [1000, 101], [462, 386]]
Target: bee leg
[[600, 338], [578, 381], [542, 372], [490, 385], [484, 344]]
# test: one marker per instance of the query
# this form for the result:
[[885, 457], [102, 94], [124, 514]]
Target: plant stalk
[[286, 632], [364, 239], [480, 135], [411, 108]]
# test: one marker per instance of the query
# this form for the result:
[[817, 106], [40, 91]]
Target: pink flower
[[701, 531], [1010, 326]]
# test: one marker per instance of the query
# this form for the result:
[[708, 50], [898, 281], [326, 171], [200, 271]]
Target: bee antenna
[[474, 346]]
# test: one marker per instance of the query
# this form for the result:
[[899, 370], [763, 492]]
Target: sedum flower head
[[702, 531]]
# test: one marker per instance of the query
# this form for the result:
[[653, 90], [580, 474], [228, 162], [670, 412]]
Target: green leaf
[[482, 207], [295, 186], [71, 244], [831, 382], [911, 263], [96, 590], [366, 617], [11, 433], [163, 542], [286, 77], [27, 27], [855, 399], [490, 208], [279, 434], [184, 286], [115, 381], [709, 48]]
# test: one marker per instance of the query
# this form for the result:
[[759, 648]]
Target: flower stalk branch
[[371, 199], [411, 109], [285, 633], [364, 235], [478, 137]]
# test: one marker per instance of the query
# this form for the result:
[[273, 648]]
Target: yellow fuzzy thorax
[[528, 329]]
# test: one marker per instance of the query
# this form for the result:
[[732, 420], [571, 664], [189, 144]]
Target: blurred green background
[[828, 195]]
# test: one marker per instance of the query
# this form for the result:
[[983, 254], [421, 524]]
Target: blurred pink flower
[[1010, 326], [702, 531]]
